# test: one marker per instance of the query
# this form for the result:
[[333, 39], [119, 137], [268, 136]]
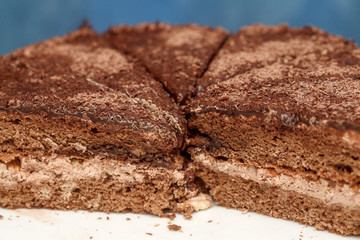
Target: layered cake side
[[177, 55], [278, 132], [85, 127]]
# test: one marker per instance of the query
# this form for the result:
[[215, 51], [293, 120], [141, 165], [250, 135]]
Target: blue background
[[27, 21]]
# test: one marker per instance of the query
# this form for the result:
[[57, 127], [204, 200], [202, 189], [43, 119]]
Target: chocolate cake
[[272, 123], [84, 127], [177, 55], [277, 126]]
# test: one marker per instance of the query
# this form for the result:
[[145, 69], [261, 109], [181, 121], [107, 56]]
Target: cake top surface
[[257, 46], [299, 74], [177, 55], [80, 76]]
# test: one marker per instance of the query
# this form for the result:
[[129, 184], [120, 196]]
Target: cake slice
[[85, 127], [277, 130], [177, 55]]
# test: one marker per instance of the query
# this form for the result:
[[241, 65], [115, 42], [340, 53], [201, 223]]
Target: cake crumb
[[107, 218], [128, 219], [172, 216], [1, 217], [138, 217], [210, 221], [99, 218], [156, 225], [91, 237], [149, 234], [174, 227]]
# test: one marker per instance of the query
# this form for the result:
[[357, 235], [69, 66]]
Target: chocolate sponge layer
[[263, 197]]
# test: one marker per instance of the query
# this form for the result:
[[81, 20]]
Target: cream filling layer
[[55, 169], [322, 189], [60, 168]]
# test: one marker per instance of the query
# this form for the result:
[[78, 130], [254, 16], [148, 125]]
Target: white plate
[[214, 223]]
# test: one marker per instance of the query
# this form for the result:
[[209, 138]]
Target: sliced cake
[[85, 127], [277, 130], [177, 55], [90, 123]]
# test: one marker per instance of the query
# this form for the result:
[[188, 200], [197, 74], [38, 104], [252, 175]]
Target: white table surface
[[214, 223]]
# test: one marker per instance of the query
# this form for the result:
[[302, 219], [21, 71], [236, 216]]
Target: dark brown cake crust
[[176, 55]]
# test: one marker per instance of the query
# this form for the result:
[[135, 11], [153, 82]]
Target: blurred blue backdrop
[[24, 22]]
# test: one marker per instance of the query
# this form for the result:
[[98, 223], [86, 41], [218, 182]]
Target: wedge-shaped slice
[[177, 55], [85, 127], [283, 139]]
